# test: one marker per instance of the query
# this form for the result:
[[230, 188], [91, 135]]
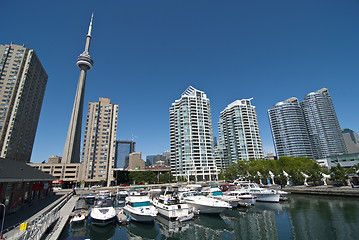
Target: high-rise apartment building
[[322, 123], [239, 132], [351, 140], [289, 131], [191, 136], [98, 154], [123, 150], [22, 88]]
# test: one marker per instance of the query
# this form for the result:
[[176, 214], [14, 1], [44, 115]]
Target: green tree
[[339, 174], [166, 178]]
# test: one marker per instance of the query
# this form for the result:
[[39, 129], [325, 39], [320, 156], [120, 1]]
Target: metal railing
[[37, 227]]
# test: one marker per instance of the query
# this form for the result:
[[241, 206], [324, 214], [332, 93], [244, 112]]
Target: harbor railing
[[35, 228]]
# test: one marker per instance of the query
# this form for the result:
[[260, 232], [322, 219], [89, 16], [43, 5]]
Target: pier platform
[[345, 191], [65, 213]]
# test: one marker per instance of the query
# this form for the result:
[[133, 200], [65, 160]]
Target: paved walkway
[[30, 212], [324, 190]]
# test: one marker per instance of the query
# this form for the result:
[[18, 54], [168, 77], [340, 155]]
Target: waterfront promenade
[[29, 213], [345, 191]]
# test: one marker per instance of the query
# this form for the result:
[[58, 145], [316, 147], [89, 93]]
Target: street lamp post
[[3, 219]]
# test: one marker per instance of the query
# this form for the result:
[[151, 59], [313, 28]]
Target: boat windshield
[[142, 204], [104, 203], [217, 193]]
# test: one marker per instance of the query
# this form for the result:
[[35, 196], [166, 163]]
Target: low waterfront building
[[21, 184], [69, 173], [345, 160]]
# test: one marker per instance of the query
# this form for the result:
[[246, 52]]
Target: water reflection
[[323, 217], [302, 217], [171, 228], [142, 230]]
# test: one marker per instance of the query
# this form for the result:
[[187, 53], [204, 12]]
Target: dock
[[345, 191], [65, 213]]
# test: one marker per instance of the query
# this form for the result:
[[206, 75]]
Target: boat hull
[[267, 197], [207, 209], [172, 213], [138, 217], [102, 222]]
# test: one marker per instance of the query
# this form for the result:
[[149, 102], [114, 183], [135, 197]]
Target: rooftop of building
[[14, 171]]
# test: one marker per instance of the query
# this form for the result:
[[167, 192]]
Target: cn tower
[[73, 140]]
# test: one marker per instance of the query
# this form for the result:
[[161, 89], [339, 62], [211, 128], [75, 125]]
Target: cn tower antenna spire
[[72, 146], [90, 27], [88, 36]]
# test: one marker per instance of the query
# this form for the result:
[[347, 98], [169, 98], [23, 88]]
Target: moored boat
[[202, 203], [103, 212], [169, 206], [262, 194], [243, 196], [139, 208], [216, 193]]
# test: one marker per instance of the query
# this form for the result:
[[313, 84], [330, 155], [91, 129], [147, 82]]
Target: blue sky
[[146, 53]]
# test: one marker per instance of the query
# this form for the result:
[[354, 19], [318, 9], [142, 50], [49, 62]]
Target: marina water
[[301, 217]]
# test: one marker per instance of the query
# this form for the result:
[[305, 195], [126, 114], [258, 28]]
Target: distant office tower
[[159, 161], [191, 136], [73, 140], [239, 132], [123, 150], [351, 140], [322, 123], [22, 83], [98, 154], [167, 155], [289, 132], [150, 159]]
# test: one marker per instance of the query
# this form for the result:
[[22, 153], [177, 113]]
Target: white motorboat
[[122, 194], [169, 206], [202, 203], [263, 194], [103, 194], [216, 193], [103, 212], [242, 196], [78, 218], [139, 208]]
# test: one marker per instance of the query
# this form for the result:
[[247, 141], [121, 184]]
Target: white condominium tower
[[289, 131], [98, 154], [191, 136], [322, 123], [239, 132]]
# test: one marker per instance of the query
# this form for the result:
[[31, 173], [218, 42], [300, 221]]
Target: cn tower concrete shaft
[[73, 140]]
